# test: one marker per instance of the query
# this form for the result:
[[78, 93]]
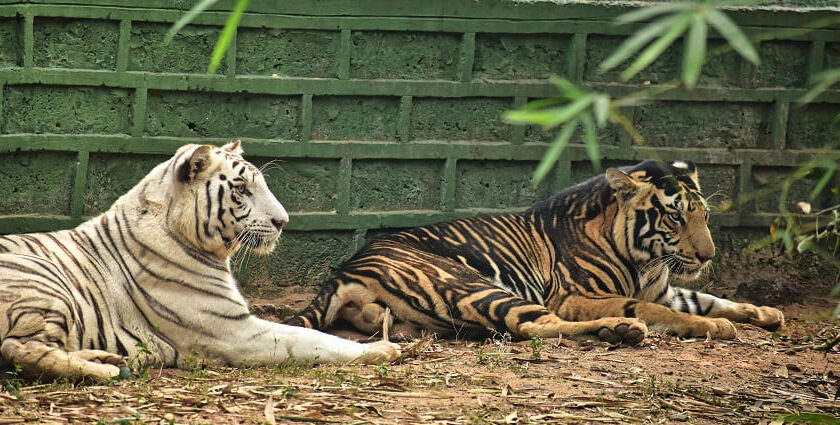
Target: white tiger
[[153, 273]]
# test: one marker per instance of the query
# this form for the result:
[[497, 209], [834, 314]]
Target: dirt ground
[[753, 379]]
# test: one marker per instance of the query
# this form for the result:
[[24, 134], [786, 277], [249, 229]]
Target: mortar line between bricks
[[745, 187], [79, 183], [778, 128], [122, 49], [427, 88], [448, 181], [466, 57], [359, 236], [562, 175], [2, 90], [345, 172], [28, 40], [576, 57], [404, 125], [418, 149], [230, 55], [517, 135], [140, 105], [344, 48], [306, 118], [816, 58]]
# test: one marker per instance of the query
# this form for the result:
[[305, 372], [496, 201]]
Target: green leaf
[[568, 88], [227, 36], [541, 103], [550, 118], [657, 47], [695, 50], [590, 140], [186, 19], [651, 11], [601, 109], [554, 151], [638, 40], [811, 418], [823, 81], [818, 188], [730, 31]]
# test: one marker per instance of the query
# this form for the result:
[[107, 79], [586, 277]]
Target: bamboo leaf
[[730, 31], [638, 40], [824, 80], [554, 151], [227, 36], [818, 188], [566, 87], [695, 50], [590, 140], [651, 11], [541, 103], [186, 19], [540, 117], [657, 47]]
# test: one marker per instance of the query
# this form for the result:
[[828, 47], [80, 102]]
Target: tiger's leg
[[37, 358], [702, 304], [579, 307]]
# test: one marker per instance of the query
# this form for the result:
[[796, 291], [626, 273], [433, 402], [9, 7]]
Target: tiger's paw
[[718, 328], [98, 356], [764, 317], [380, 351], [624, 331]]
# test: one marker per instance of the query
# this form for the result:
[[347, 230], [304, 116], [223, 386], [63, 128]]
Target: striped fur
[[154, 271], [594, 259]]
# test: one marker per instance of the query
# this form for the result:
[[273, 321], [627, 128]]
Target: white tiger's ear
[[624, 186], [234, 147], [198, 162]]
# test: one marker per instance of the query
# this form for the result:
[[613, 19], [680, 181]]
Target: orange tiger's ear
[[624, 186], [198, 162], [234, 147]]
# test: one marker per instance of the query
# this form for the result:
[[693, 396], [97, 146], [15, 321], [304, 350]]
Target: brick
[[287, 53], [520, 57], [187, 114], [707, 125], [188, 52], [404, 55], [301, 184], [783, 64], [583, 170], [719, 71], [11, 42], [384, 185], [36, 182], [460, 119], [355, 118], [768, 185], [66, 110], [832, 55], [301, 258], [718, 183], [498, 184], [812, 126], [75, 43], [112, 175]]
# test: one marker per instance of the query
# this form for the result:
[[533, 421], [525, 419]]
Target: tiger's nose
[[279, 224]]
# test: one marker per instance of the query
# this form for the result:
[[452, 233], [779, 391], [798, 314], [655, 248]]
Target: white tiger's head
[[221, 202]]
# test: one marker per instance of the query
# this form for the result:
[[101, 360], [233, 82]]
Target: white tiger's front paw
[[380, 351]]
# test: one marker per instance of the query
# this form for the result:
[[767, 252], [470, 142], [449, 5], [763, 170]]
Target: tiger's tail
[[322, 311]]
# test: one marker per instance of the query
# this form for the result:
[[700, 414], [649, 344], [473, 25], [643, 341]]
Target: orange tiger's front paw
[[626, 331], [767, 318]]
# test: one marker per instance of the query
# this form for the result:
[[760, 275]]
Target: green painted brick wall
[[374, 115]]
